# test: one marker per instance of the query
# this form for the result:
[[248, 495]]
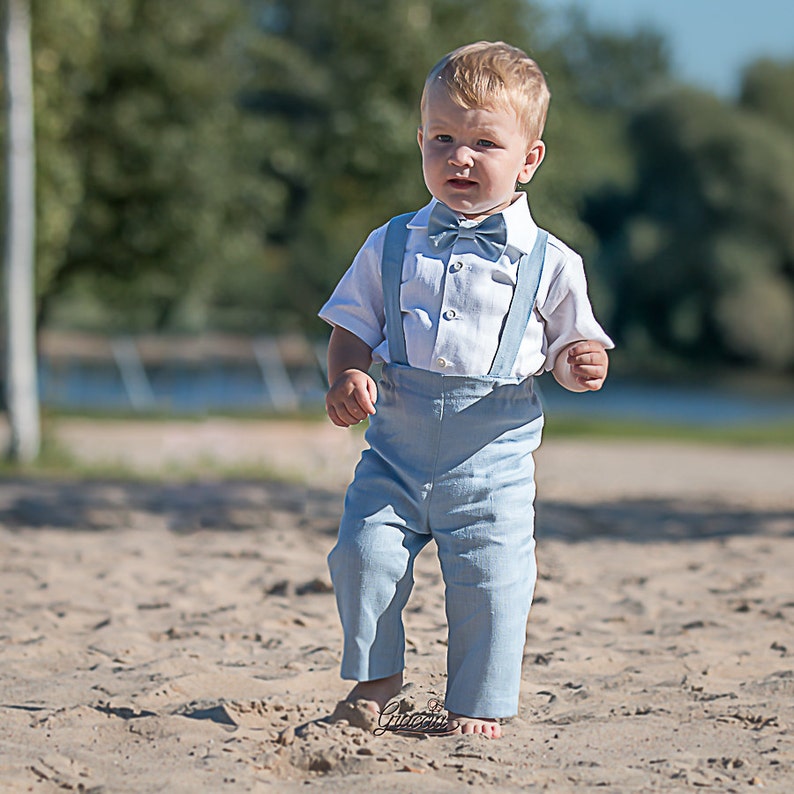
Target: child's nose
[[462, 156]]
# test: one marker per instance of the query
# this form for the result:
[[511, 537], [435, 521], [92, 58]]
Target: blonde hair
[[490, 74]]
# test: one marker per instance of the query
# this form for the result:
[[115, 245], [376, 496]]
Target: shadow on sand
[[239, 505]]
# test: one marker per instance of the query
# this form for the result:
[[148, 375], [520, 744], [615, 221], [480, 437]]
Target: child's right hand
[[351, 398]]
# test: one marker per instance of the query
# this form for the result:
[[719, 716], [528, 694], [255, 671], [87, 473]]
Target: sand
[[179, 634]]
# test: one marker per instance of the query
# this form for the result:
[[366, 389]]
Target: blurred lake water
[[247, 386], [711, 405]]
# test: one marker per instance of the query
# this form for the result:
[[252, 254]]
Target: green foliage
[[772, 434], [65, 39], [700, 251], [146, 184], [609, 70], [766, 90], [595, 76], [338, 86], [217, 168]]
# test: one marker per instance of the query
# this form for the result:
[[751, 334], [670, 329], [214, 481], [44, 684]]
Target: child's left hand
[[587, 364]]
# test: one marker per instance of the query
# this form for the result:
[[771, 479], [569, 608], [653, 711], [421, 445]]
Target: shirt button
[[442, 362], [450, 314], [455, 267]]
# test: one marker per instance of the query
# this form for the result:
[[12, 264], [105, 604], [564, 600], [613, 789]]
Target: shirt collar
[[521, 228]]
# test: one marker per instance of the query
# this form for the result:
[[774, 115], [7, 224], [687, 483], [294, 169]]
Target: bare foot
[[365, 701], [489, 728], [376, 693]]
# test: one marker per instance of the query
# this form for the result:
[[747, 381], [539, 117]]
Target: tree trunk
[[21, 370]]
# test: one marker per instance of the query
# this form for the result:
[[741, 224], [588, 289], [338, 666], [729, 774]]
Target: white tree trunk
[[21, 368]]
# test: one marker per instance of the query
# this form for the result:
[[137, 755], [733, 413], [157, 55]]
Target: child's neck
[[495, 211]]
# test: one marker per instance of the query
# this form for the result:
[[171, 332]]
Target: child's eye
[[485, 143], [444, 138]]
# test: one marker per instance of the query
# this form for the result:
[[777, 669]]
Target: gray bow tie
[[444, 228]]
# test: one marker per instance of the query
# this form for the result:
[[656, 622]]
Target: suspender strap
[[530, 269], [391, 273]]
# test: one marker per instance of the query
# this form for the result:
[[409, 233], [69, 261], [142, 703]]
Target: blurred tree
[[65, 38], [160, 202], [611, 70], [194, 167], [219, 169], [767, 89], [338, 86], [597, 77], [700, 250]]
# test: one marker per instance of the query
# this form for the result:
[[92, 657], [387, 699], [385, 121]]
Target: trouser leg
[[483, 523], [372, 572], [489, 586]]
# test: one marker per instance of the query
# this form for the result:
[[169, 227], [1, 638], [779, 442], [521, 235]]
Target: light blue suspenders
[[391, 274], [530, 268]]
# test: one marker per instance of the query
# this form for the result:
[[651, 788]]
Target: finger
[[360, 404], [345, 411], [583, 348], [588, 378], [351, 412], [594, 357], [589, 370], [335, 418], [372, 389], [590, 381], [365, 403], [578, 349]]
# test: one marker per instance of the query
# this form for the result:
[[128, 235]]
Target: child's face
[[473, 158]]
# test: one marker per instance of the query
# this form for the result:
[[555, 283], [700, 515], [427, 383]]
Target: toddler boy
[[463, 302]]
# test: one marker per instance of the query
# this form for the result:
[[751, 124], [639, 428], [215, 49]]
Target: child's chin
[[459, 204]]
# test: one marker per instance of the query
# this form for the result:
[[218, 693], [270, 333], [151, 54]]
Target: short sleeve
[[567, 314], [356, 303]]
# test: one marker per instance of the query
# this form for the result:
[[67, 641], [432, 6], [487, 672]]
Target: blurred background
[[205, 173]]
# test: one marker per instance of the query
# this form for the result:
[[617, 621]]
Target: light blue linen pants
[[449, 459]]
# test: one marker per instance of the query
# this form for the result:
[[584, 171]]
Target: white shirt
[[453, 303]]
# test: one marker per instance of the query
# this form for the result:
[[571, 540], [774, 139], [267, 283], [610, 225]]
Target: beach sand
[[179, 634]]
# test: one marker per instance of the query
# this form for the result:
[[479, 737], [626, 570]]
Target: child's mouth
[[460, 184]]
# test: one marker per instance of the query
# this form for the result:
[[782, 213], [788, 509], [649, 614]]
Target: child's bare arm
[[582, 366], [353, 392]]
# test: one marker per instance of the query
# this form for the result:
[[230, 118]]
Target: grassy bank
[[57, 460], [758, 434]]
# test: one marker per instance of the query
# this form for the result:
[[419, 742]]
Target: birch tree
[[21, 375]]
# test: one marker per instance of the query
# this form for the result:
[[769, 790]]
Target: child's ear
[[535, 155], [420, 136]]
